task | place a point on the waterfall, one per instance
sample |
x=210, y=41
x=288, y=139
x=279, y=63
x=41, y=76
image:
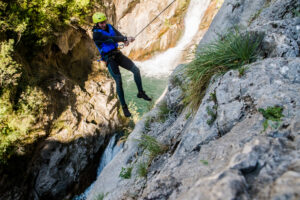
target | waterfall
x=163, y=64
x=110, y=151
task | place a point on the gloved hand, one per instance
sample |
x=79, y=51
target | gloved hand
x=130, y=39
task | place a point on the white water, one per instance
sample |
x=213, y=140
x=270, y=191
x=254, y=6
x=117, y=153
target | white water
x=111, y=150
x=163, y=64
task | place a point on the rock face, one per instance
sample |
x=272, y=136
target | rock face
x=163, y=32
x=232, y=157
x=79, y=134
x=82, y=114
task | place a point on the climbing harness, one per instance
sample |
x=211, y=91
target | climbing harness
x=154, y=18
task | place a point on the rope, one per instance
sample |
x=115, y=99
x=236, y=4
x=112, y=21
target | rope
x=154, y=18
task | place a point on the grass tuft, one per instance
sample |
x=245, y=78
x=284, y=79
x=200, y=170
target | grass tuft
x=164, y=111
x=204, y=162
x=150, y=144
x=142, y=169
x=242, y=71
x=125, y=173
x=100, y=196
x=231, y=51
x=271, y=114
x=212, y=112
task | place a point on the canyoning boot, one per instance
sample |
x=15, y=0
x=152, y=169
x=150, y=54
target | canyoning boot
x=143, y=95
x=126, y=111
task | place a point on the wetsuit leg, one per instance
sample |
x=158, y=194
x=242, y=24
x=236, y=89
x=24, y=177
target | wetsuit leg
x=129, y=65
x=114, y=71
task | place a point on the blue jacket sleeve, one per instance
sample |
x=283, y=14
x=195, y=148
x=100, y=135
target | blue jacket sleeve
x=100, y=38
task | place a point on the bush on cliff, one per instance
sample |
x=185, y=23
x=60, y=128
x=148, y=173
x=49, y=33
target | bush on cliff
x=36, y=21
x=20, y=104
x=230, y=51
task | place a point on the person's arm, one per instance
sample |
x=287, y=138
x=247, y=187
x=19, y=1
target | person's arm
x=117, y=32
x=129, y=39
x=100, y=38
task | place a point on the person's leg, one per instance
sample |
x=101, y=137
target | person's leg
x=114, y=71
x=129, y=65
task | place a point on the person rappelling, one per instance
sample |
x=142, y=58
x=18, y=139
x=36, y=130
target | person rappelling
x=106, y=38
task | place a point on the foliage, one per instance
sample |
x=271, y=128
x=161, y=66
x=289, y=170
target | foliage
x=296, y=11
x=16, y=124
x=204, y=162
x=38, y=20
x=212, y=113
x=188, y=115
x=213, y=97
x=100, y=196
x=176, y=81
x=242, y=71
x=150, y=144
x=10, y=70
x=148, y=122
x=125, y=173
x=134, y=111
x=164, y=111
x=142, y=169
x=255, y=16
x=125, y=136
x=271, y=114
x=19, y=103
x=230, y=51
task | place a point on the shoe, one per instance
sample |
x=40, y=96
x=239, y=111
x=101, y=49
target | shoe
x=144, y=96
x=126, y=111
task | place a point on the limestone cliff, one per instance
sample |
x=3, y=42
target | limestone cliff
x=234, y=157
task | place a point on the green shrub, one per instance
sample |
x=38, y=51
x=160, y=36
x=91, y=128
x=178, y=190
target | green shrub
x=188, y=115
x=142, y=169
x=10, y=70
x=36, y=21
x=148, y=122
x=17, y=119
x=100, y=196
x=242, y=71
x=150, y=144
x=212, y=112
x=204, y=162
x=271, y=114
x=176, y=81
x=164, y=111
x=231, y=51
x=125, y=173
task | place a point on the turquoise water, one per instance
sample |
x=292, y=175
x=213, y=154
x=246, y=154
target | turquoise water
x=153, y=87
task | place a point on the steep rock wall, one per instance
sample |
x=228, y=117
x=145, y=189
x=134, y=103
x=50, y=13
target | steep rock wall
x=81, y=113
